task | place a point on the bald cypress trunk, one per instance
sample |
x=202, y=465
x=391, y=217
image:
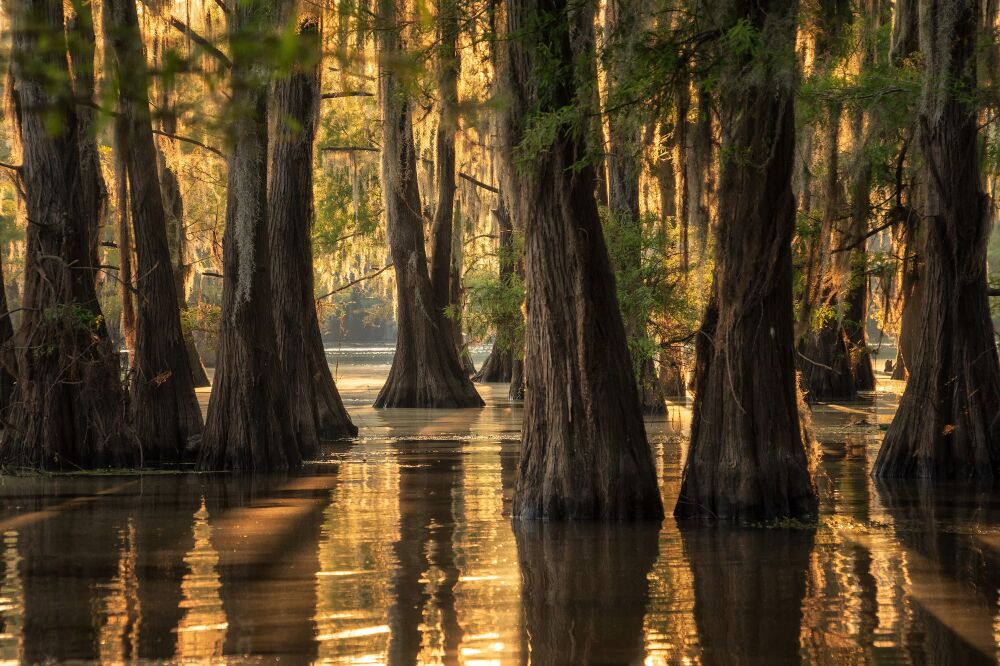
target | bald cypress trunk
x=68, y=409
x=747, y=460
x=164, y=408
x=8, y=361
x=314, y=403
x=248, y=426
x=126, y=276
x=499, y=365
x=426, y=370
x=82, y=45
x=946, y=425
x=584, y=453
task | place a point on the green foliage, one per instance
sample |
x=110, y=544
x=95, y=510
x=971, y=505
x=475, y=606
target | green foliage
x=493, y=305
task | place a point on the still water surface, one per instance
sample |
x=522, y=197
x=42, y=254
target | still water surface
x=398, y=548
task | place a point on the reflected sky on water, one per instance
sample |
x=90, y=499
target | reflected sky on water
x=399, y=549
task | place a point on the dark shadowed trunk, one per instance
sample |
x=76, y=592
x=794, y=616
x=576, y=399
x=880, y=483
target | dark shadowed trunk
x=68, y=408
x=426, y=370
x=854, y=300
x=908, y=244
x=624, y=168
x=584, y=452
x=747, y=460
x=164, y=408
x=82, y=45
x=316, y=408
x=946, y=425
x=8, y=360
x=248, y=426
x=499, y=365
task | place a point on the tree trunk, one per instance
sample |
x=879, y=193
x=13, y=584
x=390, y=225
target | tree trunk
x=747, y=459
x=624, y=168
x=946, y=425
x=854, y=303
x=248, y=428
x=314, y=404
x=499, y=365
x=584, y=453
x=164, y=408
x=173, y=204
x=8, y=360
x=426, y=370
x=126, y=281
x=69, y=410
x=82, y=43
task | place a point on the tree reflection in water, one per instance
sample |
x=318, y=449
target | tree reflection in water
x=584, y=589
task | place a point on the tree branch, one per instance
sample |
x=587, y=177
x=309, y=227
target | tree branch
x=347, y=93
x=479, y=183
x=209, y=47
x=193, y=142
x=354, y=282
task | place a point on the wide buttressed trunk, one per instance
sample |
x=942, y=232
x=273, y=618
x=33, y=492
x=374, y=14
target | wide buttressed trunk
x=248, y=427
x=946, y=425
x=164, y=407
x=426, y=370
x=68, y=410
x=584, y=453
x=316, y=408
x=747, y=460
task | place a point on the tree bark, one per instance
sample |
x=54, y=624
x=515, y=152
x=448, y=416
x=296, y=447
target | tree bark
x=248, y=428
x=126, y=276
x=68, y=408
x=8, y=362
x=584, y=453
x=946, y=425
x=164, y=408
x=747, y=459
x=82, y=45
x=316, y=409
x=426, y=370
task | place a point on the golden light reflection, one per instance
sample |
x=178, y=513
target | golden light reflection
x=202, y=630
x=121, y=614
x=11, y=603
x=353, y=587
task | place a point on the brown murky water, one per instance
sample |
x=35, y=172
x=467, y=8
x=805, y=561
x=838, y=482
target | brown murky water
x=399, y=549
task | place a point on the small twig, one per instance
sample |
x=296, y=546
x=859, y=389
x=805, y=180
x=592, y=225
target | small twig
x=194, y=142
x=347, y=93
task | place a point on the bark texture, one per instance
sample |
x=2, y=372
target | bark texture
x=747, y=459
x=316, y=409
x=584, y=452
x=163, y=404
x=426, y=370
x=248, y=428
x=946, y=425
x=499, y=365
x=68, y=409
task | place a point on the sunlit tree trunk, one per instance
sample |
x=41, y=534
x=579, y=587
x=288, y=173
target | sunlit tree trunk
x=747, y=460
x=426, y=370
x=584, y=453
x=68, y=409
x=316, y=408
x=164, y=407
x=126, y=276
x=248, y=426
x=946, y=425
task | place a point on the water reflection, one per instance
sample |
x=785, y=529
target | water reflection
x=749, y=584
x=400, y=549
x=585, y=588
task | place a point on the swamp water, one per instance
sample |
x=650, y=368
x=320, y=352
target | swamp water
x=398, y=548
